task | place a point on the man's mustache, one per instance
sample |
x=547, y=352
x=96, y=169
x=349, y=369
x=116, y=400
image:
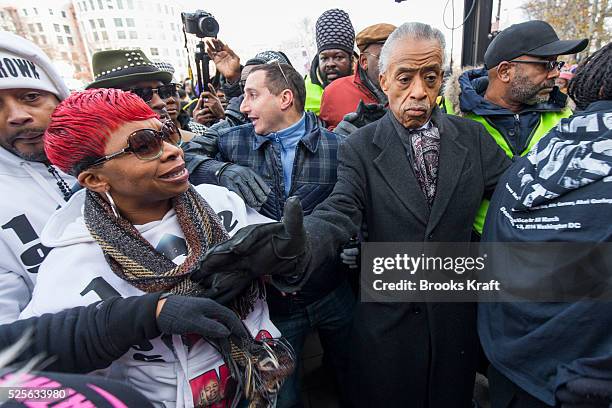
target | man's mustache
x=24, y=132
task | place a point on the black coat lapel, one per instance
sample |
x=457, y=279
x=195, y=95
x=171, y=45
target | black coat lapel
x=393, y=164
x=451, y=161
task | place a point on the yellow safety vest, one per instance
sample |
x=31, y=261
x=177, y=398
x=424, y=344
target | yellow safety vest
x=548, y=120
x=314, y=94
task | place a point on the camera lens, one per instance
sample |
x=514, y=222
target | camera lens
x=209, y=26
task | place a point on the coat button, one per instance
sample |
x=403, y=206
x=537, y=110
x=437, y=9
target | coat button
x=430, y=237
x=416, y=310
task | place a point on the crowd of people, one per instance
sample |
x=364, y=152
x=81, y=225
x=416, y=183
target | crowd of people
x=187, y=241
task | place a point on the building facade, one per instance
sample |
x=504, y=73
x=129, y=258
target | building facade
x=70, y=32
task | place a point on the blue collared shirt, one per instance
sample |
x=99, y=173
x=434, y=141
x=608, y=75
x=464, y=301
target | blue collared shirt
x=287, y=139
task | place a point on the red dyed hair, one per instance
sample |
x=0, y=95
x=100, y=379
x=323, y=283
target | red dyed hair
x=81, y=125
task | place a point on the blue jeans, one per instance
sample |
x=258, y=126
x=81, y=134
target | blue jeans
x=332, y=316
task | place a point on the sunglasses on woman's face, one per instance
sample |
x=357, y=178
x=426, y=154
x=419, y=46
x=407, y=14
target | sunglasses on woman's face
x=164, y=92
x=147, y=144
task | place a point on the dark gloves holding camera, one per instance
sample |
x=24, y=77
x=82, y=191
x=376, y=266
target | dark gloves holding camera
x=186, y=315
x=365, y=114
x=277, y=249
x=242, y=181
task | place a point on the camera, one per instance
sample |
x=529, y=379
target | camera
x=200, y=23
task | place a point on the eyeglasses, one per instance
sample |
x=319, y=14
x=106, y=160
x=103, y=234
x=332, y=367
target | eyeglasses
x=164, y=92
x=369, y=53
x=281, y=70
x=549, y=65
x=147, y=144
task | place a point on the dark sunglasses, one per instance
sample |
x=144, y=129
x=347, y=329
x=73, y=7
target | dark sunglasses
x=147, y=144
x=549, y=65
x=164, y=92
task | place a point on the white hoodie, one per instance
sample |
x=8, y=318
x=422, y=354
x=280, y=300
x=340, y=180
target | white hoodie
x=165, y=370
x=29, y=195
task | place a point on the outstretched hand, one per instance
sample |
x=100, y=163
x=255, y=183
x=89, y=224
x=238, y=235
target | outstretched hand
x=279, y=249
x=225, y=59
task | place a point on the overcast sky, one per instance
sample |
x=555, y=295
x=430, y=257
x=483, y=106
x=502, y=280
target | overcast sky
x=252, y=26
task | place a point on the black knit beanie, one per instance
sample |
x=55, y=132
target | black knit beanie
x=335, y=31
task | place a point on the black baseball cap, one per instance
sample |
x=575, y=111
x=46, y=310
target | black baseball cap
x=535, y=38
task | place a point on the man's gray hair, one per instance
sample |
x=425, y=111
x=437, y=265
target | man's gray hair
x=415, y=31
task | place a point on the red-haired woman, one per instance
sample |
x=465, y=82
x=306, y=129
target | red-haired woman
x=138, y=227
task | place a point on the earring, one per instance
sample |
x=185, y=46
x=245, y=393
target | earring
x=112, y=204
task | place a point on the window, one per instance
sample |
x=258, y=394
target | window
x=118, y=22
x=67, y=29
x=95, y=35
x=178, y=52
x=121, y=35
x=64, y=14
x=56, y=27
x=130, y=22
x=91, y=6
x=84, y=6
x=35, y=10
x=70, y=40
x=25, y=12
x=133, y=35
x=60, y=39
x=78, y=67
x=31, y=27
x=35, y=39
x=104, y=35
x=120, y=4
x=43, y=39
x=92, y=24
x=166, y=9
x=130, y=4
x=100, y=6
x=154, y=51
x=50, y=12
x=101, y=23
x=39, y=26
x=65, y=55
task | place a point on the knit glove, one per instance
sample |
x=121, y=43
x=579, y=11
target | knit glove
x=585, y=393
x=197, y=315
x=242, y=181
x=278, y=249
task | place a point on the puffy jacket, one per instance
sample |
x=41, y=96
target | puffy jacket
x=516, y=130
x=342, y=96
x=515, y=133
x=314, y=177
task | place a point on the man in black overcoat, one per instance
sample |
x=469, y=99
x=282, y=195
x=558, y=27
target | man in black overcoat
x=416, y=175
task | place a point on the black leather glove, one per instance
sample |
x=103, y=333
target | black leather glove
x=186, y=314
x=585, y=393
x=242, y=181
x=363, y=115
x=279, y=249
